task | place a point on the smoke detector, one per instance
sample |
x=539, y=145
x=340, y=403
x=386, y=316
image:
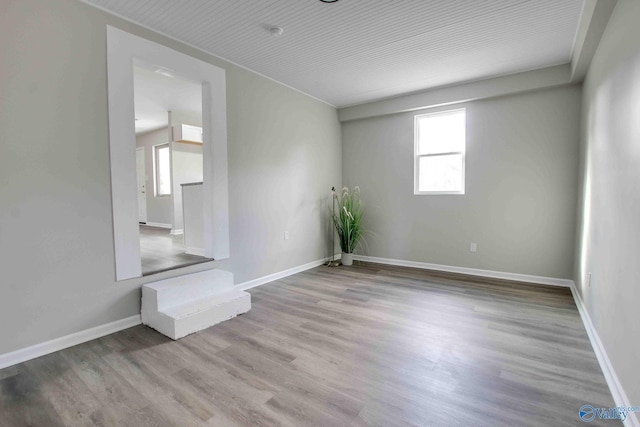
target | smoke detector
x=276, y=31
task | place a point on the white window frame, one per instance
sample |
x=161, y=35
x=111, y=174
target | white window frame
x=156, y=170
x=417, y=156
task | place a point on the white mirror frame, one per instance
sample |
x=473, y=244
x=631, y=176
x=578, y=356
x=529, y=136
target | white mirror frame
x=122, y=48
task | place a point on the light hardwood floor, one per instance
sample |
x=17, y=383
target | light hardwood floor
x=348, y=346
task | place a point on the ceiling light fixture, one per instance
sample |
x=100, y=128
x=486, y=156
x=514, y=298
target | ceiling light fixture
x=276, y=31
x=328, y=1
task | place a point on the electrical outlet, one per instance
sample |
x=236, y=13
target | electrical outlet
x=589, y=279
x=286, y=235
x=473, y=247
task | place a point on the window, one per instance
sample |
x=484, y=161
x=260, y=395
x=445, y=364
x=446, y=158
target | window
x=162, y=170
x=439, y=153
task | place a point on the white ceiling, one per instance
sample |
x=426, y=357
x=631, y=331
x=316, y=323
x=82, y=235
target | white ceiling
x=155, y=94
x=355, y=51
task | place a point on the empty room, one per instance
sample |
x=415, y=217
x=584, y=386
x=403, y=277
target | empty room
x=319, y=213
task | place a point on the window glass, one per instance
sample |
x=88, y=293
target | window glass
x=163, y=170
x=440, y=140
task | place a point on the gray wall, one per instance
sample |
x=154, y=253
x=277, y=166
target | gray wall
x=158, y=208
x=608, y=242
x=521, y=184
x=56, y=237
x=284, y=157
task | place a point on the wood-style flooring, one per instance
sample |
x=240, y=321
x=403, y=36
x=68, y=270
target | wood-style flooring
x=161, y=251
x=367, y=345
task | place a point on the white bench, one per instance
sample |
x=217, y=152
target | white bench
x=182, y=305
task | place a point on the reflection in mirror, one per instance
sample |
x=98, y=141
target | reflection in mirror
x=123, y=49
x=169, y=168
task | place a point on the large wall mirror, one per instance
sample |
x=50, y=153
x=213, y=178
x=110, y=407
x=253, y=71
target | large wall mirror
x=164, y=167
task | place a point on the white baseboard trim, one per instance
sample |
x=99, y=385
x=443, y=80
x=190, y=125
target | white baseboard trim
x=279, y=275
x=195, y=251
x=177, y=231
x=617, y=392
x=566, y=283
x=158, y=224
x=28, y=353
